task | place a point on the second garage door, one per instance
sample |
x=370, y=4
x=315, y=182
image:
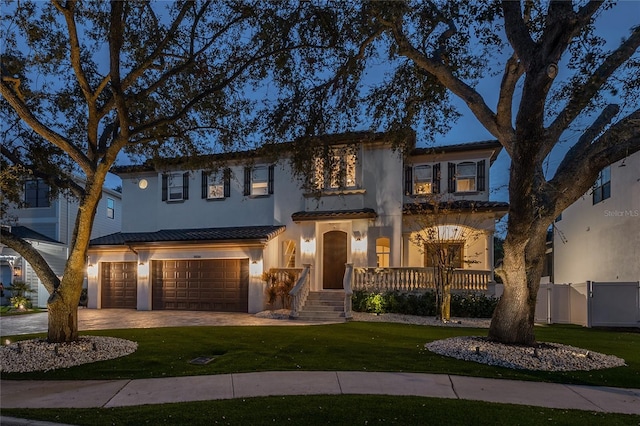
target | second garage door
x=201, y=285
x=119, y=284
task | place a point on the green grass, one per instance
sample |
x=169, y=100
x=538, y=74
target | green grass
x=353, y=346
x=322, y=410
x=6, y=311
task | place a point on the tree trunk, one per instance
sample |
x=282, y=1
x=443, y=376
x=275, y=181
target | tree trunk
x=513, y=318
x=63, y=302
x=63, y=320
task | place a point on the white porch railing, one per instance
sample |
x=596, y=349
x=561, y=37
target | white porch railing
x=281, y=273
x=408, y=279
x=300, y=291
x=348, y=290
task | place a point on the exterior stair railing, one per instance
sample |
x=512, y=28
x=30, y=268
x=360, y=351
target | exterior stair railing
x=348, y=290
x=300, y=292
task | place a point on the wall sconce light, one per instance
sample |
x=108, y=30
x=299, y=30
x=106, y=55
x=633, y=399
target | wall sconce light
x=143, y=269
x=17, y=271
x=357, y=236
x=308, y=246
x=256, y=268
x=92, y=270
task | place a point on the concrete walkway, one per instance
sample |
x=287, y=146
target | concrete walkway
x=120, y=393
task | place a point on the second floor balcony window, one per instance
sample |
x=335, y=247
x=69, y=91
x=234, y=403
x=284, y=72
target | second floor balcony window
x=339, y=173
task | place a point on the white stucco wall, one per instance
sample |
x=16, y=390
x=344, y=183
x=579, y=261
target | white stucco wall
x=601, y=242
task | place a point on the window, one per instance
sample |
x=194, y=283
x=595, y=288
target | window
x=451, y=251
x=111, y=206
x=422, y=179
x=216, y=185
x=383, y=251
x=467, y=176
x=175, y=187
x=341, y=173
x=289, y=254
x=36, y=193
x=258, y=181
x=602, y=187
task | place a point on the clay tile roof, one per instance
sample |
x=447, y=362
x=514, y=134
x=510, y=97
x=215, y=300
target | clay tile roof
x=460, y=205
x=184, y=235
x=365, y=213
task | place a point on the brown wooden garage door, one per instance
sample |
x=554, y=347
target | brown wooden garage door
x=119, y=284
x=201, y=285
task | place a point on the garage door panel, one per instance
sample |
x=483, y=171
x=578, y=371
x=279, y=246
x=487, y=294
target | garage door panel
x=210, y=285
x=119, y=285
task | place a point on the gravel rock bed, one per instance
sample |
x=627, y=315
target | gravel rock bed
x=544, y=357
x=39, y=355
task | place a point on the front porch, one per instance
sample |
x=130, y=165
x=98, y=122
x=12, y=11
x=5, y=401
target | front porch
x=402, y=279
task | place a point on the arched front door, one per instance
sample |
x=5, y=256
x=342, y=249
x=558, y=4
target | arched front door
x=334, y=257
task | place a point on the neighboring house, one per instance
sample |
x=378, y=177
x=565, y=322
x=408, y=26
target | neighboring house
x=597, y=238
x=596, y=252
x=201, y=239
x=48, y=225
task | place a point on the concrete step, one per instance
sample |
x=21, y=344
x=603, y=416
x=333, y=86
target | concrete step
x=323, y=306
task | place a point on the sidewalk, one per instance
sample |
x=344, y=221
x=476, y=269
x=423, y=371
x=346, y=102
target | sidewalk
x=121, y=393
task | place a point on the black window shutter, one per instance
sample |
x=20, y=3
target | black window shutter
x=205, y=183
x=185, y=186
x=435, y=178
x=452, y=177
x=247, y=180
x=227, y=183
x=481, y=176
x=270, y=183
x=408, y=180
x=165, y=187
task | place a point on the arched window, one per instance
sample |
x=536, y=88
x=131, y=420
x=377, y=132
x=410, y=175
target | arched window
x=383, y=251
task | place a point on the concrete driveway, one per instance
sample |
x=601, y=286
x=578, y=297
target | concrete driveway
x=101, y=319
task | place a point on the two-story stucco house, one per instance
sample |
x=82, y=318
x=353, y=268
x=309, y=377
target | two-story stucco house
x=597, y=238
x=48, y=225
x=201, y=239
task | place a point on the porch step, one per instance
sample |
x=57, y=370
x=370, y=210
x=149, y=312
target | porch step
x=323, y=306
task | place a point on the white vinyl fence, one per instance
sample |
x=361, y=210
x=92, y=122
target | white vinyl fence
x=590, y=304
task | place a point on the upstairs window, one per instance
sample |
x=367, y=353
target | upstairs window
x=467, y=176
x=111, y=208
x=36, y=193
x=216, y=185
x=422, y=179
x=602, y=187
x=258, y=180
x=175, y=187
x=341, y=173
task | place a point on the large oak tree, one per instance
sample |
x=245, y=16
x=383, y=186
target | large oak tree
x=555, y=78
x=84, y=81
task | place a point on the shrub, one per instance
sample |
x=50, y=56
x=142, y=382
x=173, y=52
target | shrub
x=19, y=291
x=469, y=305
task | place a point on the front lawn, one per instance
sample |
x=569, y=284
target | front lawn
x=354, y=346
x=322, y=410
